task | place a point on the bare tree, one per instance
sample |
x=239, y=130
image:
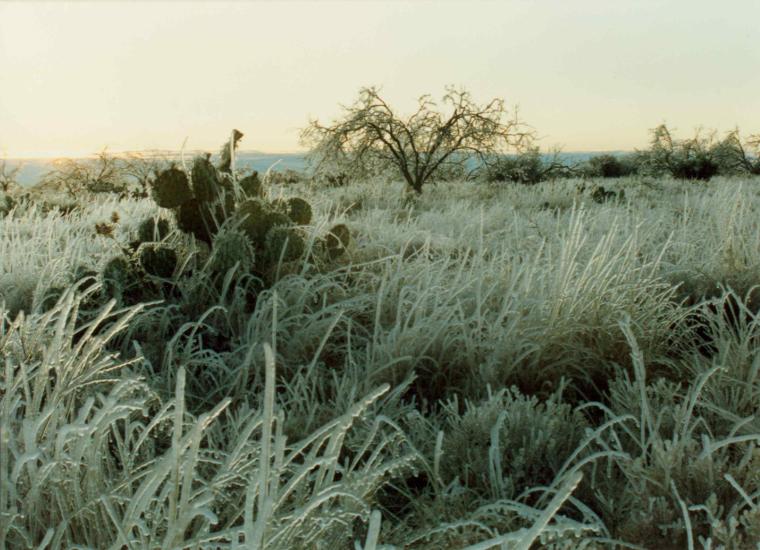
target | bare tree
x=104, y=173
x=371, y=134
x=143, y=167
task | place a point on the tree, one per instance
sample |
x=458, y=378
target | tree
x=371, y=135
x=103, y=174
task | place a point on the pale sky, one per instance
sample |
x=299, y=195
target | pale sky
x=588, y=75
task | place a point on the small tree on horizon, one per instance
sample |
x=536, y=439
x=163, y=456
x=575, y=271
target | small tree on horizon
x=370, y=135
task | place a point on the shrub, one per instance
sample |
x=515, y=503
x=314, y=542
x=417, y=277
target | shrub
x=528, y=168
x=737, y=158
x=610, y=166
x=530, y=440
x=371, y=137
x=105, y=173
x=690, y=159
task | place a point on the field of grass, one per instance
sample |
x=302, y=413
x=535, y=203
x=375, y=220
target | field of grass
x=488, y=366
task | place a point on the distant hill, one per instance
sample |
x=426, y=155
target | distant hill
x=32, y=170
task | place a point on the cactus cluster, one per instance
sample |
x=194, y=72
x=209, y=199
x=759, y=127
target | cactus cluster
x=600, y=195
x=212, y=195
x=199, y=203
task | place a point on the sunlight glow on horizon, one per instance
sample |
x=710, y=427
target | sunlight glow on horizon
x=588, y=75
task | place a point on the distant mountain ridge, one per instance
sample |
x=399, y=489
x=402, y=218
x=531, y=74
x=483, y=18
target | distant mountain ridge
x=32, y=169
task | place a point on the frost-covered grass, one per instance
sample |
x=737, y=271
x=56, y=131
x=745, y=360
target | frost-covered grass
x=485, y=366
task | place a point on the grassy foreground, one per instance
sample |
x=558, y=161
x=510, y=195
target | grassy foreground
x=490, y=366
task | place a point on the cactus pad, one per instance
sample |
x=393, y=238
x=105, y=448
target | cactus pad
x=193, y=217
x=171, y=188
x=159, y=261
x=337, y=240
x=284, y=243
x=151, y=230
x=229, y=248
x=299, y=211
x=252, y=186
x=205, y=180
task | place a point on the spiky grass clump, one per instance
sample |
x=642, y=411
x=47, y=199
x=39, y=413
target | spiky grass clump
x=509, y=443
x=141, y=464
x=171, y=188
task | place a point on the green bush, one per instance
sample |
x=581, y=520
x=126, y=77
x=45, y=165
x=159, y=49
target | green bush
x=527, y=168
x=689, y=159
x=610, y=166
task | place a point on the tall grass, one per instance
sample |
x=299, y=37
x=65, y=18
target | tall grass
x=486, y=367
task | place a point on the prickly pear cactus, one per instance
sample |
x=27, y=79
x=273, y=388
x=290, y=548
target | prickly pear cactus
x=194, y=217
x=251, y=186
x=299, y=211
x=159, y=261
x=257, y=218
x=120, y=278
x=337, y=240
x=171, y=188
x=280, y=205
x=284, y=243
x=205, y=180
x=231, y=247
x=152, y=230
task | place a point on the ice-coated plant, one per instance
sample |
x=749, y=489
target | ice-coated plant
x=171, y=188
x=299, y=210
x=158, y=260
x=152, y=230
x=284, y=243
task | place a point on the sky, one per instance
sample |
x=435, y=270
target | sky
x=587, y=75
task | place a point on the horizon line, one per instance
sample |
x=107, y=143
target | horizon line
x=192, y=152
